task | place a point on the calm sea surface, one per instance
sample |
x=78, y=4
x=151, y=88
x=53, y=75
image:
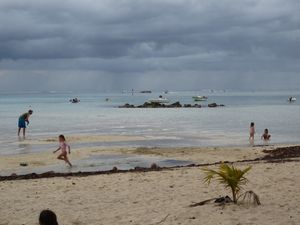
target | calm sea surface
x=53, y=115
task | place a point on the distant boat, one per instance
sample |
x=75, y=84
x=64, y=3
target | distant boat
x=166, y=91
x=200, y=98
x=292, y=99
x=146, y=92
x=74, y=100
x=160, y=100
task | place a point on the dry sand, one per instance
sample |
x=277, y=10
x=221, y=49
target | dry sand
x=153, y=198
x=156, y=197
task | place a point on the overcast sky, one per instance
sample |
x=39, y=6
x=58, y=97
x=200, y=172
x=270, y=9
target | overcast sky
x=111, y=45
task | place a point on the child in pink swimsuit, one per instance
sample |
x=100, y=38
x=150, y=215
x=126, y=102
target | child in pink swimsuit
x=63, y=146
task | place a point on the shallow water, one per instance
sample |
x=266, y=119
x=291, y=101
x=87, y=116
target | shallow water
x=102, y=163
x=53, y=115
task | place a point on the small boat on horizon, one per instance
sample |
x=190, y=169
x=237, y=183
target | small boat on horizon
x=200, y=98
x=292, y=99
x=74, y=100
x=160, y=100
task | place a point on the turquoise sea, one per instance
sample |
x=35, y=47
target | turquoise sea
x=175, y=127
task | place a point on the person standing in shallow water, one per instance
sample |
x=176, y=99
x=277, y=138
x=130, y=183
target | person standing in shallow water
x=266, y=136
x=252, y=133
x=23, y=119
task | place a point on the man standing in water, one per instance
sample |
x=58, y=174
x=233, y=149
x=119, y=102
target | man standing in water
x=23, y=119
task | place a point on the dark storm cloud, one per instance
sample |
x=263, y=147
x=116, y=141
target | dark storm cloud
x=226, y=44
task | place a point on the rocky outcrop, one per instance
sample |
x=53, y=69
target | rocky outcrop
x=151, y=105
x=173, y=105
x=214, y=105
x=127, y=106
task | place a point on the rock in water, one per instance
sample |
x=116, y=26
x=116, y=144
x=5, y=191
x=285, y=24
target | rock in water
x=212, y=105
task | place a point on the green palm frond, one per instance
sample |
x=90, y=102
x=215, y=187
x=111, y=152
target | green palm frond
x=228, y=175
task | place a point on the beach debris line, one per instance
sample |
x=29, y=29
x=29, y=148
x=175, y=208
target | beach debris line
x=282, y=153
x=50, y=174
x=232, y=178
x=154, y=166
x=173, y=105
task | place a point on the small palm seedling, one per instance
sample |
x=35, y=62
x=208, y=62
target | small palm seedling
x=232, y=177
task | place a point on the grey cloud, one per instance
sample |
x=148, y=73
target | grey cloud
x=119, y=42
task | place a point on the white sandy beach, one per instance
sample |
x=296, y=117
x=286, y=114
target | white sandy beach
x=153, y=198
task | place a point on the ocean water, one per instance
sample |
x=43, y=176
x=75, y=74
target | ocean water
x=172, y=127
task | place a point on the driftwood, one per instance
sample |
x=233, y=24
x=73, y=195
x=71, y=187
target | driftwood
x=219, y=201
x=249, y=197
x=202, y=203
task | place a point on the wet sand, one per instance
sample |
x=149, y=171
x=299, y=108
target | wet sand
x=85, y=139
x=194, y=155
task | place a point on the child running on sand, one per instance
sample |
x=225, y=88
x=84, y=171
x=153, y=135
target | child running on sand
x=252, y=133
x=266, y=136
x=63, y=147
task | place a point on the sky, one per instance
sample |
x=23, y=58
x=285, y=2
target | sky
x=114, y=45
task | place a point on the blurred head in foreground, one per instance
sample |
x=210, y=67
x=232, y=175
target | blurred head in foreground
x=47, y=217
